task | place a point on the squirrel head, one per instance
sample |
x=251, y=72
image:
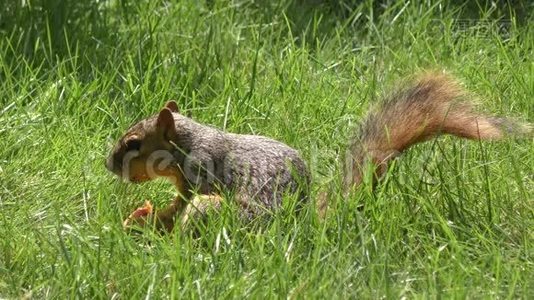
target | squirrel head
x=144, y=152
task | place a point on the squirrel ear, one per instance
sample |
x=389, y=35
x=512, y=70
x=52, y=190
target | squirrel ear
x=172, y=106
x=166, y=122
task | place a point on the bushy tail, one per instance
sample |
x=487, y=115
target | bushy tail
x=434, y=104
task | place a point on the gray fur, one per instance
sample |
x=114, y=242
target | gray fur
x=259, y=170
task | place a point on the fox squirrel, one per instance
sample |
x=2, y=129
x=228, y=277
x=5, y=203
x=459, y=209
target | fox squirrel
x=260, y=170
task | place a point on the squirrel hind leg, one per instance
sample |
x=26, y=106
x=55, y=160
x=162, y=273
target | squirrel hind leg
x=199, y=207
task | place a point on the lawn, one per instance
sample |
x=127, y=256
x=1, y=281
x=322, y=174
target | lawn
x=453, y=218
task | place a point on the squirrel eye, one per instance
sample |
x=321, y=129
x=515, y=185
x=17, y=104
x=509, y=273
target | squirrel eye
x=133, y=145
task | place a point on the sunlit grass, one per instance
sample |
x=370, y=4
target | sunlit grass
x=453, y=218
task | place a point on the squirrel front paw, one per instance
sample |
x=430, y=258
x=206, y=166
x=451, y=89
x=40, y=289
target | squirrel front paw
x=139, y=217
x=147, y=216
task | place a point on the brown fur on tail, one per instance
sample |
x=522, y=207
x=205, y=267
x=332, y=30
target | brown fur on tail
x=432, y=105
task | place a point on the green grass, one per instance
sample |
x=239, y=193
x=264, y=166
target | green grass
x=453, y=219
